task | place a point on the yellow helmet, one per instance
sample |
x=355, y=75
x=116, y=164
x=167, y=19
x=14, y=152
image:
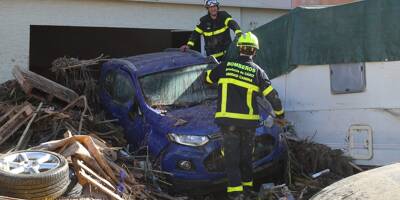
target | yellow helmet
x=248, y=40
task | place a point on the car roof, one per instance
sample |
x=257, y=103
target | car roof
x=146, y=64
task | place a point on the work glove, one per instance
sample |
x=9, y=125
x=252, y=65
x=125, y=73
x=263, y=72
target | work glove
x=237, y=37
x=280, y=120
x=184, y=48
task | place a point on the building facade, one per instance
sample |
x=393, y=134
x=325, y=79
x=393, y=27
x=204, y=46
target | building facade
x=35, y=32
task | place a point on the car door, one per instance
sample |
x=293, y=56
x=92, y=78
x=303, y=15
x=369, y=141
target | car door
x=119, y=98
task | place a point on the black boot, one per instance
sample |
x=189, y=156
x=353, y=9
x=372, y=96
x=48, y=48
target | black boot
x=249, y=194
x=236, y=196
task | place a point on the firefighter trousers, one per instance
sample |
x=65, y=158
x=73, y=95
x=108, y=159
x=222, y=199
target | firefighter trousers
x=238, y=147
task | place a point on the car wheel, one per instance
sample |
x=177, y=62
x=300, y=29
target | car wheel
x=33, y=175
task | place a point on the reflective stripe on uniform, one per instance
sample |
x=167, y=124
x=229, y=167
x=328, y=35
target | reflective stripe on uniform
x=248, y=184
x=217, y=55
x=190, y=43
x=280, y=112
x=223, y=97
x=227, y=20
x=268, y=90
x=208, y=77
x=236, y=116
x=235, y=189
x=219, y=31
x=250, y=89
x=197, y=29
x=238, y=83
x=238, y=31
x=249, y=100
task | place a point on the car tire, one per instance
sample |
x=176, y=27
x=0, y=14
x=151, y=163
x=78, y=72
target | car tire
x=49, y=183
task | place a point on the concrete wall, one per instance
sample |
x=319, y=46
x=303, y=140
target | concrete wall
x=16, y=16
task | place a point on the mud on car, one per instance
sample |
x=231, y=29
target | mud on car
x=162, y=102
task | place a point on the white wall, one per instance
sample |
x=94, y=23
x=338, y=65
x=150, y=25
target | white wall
x=16, y=16
x=276, y=4
x=326, y=117
x=251, y=18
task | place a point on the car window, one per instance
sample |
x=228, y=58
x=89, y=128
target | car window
x=119, y=86
x=180, y=87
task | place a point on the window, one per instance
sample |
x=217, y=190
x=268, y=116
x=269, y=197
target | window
x=179, y=87
x=119, y=86
x=347, y=78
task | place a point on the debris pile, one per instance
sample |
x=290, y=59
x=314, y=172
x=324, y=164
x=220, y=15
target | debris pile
x=312, y=166
x=79, y=75
x=40, y=115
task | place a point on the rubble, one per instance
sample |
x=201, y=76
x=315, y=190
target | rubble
x=312, y=166
x=79, y=75
x=13, y=119
x=39, y=114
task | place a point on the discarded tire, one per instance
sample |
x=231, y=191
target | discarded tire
x=33, y=175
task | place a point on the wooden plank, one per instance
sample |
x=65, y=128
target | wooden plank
x=86, y=173
x=6, y=115
x=26, y=135
x=21, y=80
x=91, y=172
x=9, y=198
x=41, y=87
x=15, y=122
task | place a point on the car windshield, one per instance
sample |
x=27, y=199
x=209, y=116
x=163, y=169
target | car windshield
x=180, y=87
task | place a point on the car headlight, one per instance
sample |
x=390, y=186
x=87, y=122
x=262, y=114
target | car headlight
x=189, y=140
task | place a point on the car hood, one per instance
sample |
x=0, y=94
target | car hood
x=195, y=120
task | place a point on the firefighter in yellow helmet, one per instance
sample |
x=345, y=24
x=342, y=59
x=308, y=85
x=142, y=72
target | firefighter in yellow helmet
x=240, y=81
x=215, y=27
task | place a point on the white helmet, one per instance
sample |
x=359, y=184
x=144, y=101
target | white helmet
x=209, y=3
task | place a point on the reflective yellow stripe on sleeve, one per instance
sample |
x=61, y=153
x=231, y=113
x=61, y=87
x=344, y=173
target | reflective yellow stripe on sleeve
x=238, y=31
x=268, y=90
x=190, y=43
x=208, y=77
x=219, y=31
x=223, y=97
x=217, y=55
x=280, y=112
x=247, y=184
x=235, y=189
x=227, y=20
x=197, y=29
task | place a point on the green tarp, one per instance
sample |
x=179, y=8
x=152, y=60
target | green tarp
x=364, y=31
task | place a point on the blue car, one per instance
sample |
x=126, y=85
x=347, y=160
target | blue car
x=162, y=102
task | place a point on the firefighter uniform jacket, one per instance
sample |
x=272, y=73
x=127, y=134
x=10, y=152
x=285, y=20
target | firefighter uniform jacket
x=216, y=33
x=239, y=83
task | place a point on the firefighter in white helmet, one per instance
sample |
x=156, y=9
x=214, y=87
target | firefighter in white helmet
x=215, y=27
